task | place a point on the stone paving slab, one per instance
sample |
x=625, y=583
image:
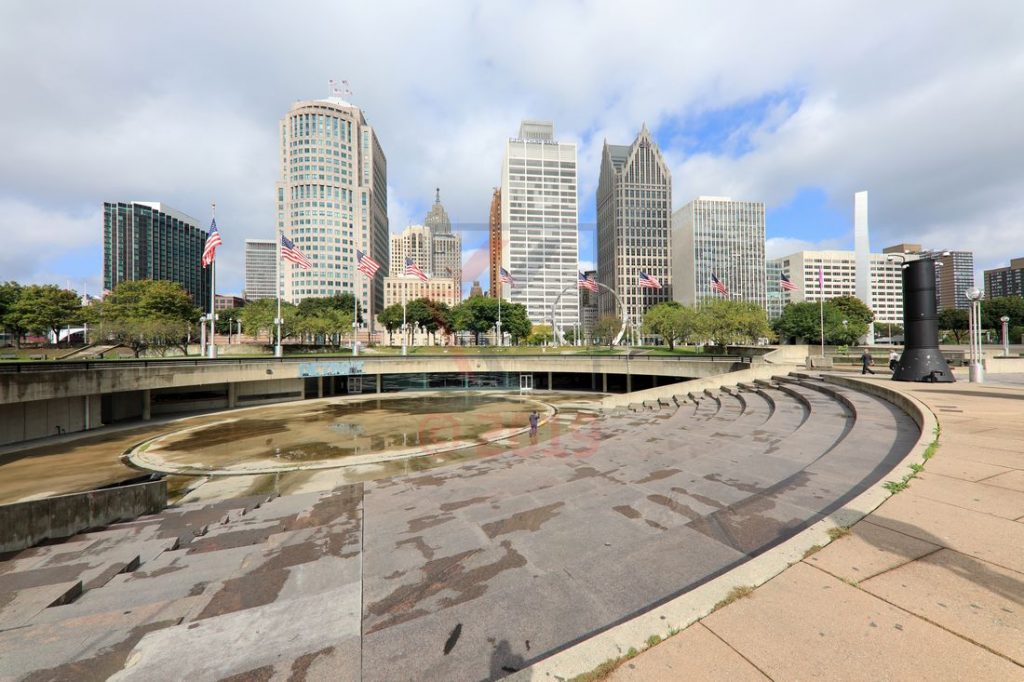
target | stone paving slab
x=19, y=608
x=258, y=642
x=977, y=600
x=989, y=538
x=869, y=550
x=806, y=624
x=87, y=648
x=986, y=498
x=698, y=656
x=1012, y=480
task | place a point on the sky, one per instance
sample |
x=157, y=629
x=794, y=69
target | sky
x=797, y=104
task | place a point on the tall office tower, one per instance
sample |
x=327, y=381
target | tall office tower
x=721, y=237
x=953, y=278
x=1007, y=281
x=494, y=242
x=332, y=201
x=839, y=270
x=446, y=258
x=149, y=240
x=260, y=269
x=414, y=242
x=773, y=290
x=539, y=228
x=634, y=223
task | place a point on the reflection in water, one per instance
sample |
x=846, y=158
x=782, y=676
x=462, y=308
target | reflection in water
x=332, y=430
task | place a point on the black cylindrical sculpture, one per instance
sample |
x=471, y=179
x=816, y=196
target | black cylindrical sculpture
x=921, y=359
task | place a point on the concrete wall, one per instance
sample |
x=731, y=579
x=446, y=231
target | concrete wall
x=764, y=372
x=25, y=524
x=249, y=393
x=41, y=418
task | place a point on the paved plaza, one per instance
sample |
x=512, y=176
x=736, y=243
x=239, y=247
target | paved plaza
x=466, y=572
x=929, y=586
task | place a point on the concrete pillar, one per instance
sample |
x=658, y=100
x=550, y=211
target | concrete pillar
x=551, y=384
x=232, y=395
x=604, y=382
x=380, y=383
x=319, y=387
x=147, y=411
x=593, y=381
x=629, y=383
x=87, y=415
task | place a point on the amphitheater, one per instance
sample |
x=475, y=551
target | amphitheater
x=464, y=569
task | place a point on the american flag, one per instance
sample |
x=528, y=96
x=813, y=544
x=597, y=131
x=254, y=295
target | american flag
x=786, y=283
x=584, y=282
x=212, y=242
x=716, y=285
x=505, y=277
x=291, y=253
x=648, y=281
x=367, y=265
x=412, y=269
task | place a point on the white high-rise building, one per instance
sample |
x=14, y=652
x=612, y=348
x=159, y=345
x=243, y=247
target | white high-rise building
x=839, y=275
x=260, y=269
x=721, y=237
x=332, y=201
x=414, y=242
x=539, y=224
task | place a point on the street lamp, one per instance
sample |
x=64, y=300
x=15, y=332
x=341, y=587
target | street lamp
x=355, y=338
x=202, y=335
x=1006, y=336
x=976, y=372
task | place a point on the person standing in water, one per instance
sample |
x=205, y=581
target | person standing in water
x=534, y=421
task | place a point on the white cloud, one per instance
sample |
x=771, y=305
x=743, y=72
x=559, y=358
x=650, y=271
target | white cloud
x=916, y=102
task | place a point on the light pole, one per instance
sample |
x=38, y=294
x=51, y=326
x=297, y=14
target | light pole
x=278, y=349
x=355, y=338
x=1006, y=335
x=202, y=335
x=976, y=371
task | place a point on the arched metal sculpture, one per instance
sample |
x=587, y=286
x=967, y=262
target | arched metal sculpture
x=557, y=333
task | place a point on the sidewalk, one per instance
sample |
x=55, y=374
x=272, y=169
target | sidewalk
x=929, y=586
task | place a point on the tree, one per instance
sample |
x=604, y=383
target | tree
x=954, y=321
x=540, y=335
x=45, y=308
x=515, y=321
x=853, y=310
x=258, y=317
x=391, y=318
x=227, y=320
x=145, y=313
x=477, y=314
x=606, y=329
x=9, y=293
x=994, y=308
x=726, y=322
x=798, y=321
x=672, y=322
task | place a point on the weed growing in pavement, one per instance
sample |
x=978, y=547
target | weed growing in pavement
x=838, y=532
x=738, y=592
x=653, y=640
x=896, y=486
x=813, y=549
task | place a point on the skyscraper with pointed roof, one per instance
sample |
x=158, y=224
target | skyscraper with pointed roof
x=446, y=257
x=634, y=224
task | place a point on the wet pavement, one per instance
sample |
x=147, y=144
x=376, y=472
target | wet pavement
x=473, y=569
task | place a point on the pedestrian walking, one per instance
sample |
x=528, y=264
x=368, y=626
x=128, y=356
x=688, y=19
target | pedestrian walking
x=534, y=421
x=894, y=358
x=865, y=362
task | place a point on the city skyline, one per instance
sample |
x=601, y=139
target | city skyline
x=800, y=129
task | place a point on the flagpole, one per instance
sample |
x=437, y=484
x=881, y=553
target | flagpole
x=404, y=331
x=278, y=348
x=355, y=314
x=212, y=350
x=501, y=339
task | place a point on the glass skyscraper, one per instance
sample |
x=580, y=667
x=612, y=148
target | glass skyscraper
x=149, y=240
